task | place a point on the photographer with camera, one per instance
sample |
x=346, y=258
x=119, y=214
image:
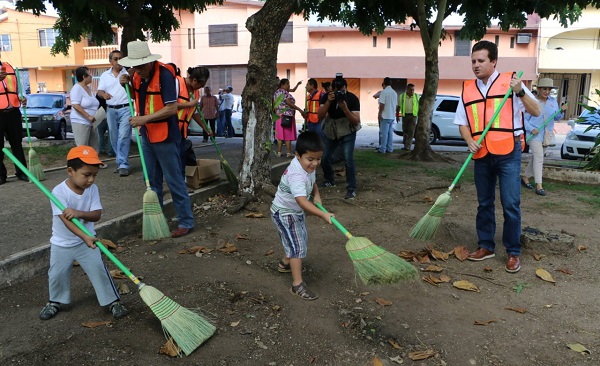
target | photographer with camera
x=340, y=111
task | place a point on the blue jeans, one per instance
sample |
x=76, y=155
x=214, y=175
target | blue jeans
x=119, y=131
x=386, y=136
x=314, y=127
x=506, y=169
x=347, y=143
x=163, y=158
x=221, y=131
x=229, y=132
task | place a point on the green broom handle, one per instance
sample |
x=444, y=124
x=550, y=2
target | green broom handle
x=485, y=130
x=24, y=109
x=212, y=138
x=546, y=122
x=74, y=220
x=335, y=222
x=137, y=138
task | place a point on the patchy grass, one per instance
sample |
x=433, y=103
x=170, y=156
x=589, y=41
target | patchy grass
x=380, y=162
x=50, y=157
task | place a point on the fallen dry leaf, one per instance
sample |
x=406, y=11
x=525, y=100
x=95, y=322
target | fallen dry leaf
x=197, y=248
x=431, y=279
x=445, y=278
x=544, y=275
x=485, y=323
x=578, y=347
x=436, y=254
x=433, y=268
x=376, y=361
x=465, y=285
x=421, y=355
x=92, y=324
x=269, y=252
x=241, y=236
x=565, y=271
x=228, y=248
x=461, y=253
x=424, y=259
x=517, y=310
x=108, y=243
x=394, y=344
x=536, y=256
x=235, y=324
x=276, y=308
x=170, y=349
x=123, y=288
x=254, y=215
x=427, y=199
x=581, y=248
x=487, y=269
x=407, y=255
x=118, y=274
x=382, y=301
x=120, y=249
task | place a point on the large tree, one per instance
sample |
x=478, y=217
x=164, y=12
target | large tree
x=427, y=16
x=79, y=19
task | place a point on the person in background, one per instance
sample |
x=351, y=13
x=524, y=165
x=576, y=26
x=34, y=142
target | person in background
x=287, y=109
x=161, y=136
x=11, y=126
x=227, y=101
x=408, y=109
x=104, y=145
x=209, y=105
x=498, y=158
x=313, y=102
x=118, y=112
x=296, y=87
x=84, y=105
x=388, y=100
x=533, y=126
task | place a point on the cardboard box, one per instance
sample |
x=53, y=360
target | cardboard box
x=206, y=171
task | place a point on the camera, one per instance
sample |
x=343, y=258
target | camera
x=338, y=84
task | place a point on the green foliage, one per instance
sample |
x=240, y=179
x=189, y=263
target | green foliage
x=520, y=286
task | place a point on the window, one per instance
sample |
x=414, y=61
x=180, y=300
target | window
x=389, y=42
x=191, y=38
x=5, y=44
x=497, y=40
x=222, y=35
x=48, y=37
x=374, y=41
x=95, y=44
x=512, y=42
x=462, y=47
x=287, y=36
x=448, y=105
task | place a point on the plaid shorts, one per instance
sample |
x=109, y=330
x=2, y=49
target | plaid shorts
x=292, y=231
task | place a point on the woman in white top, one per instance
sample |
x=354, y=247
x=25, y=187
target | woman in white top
x=84, y=106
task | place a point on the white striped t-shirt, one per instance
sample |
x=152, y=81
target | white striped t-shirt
x=295, y=182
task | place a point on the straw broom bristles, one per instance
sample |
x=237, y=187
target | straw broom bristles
x=428, y=225
x=188, y=329
x=154, y=222
x=35, y=167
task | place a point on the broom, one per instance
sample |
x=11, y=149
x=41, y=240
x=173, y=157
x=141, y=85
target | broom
x=154, y=222
x=231, y=177
x=35, y=166
x=428, y=225
x=374, y=265
x=188, y=329
x=546, y=122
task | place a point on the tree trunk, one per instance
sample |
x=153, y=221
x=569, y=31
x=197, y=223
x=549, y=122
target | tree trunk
x=266, y=27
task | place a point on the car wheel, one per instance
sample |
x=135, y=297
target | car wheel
x=434, y=135
x=61, y=132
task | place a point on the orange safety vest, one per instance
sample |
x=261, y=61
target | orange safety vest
x=8, y=89
x=499, y=139
x=313, y=102
x=156, y=131
x=184, y=116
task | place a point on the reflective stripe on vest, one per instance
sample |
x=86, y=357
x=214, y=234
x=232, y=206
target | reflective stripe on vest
x=313, y=102
x=499, y=139
x=156, y=131
x=185, y=115
x=8, y=89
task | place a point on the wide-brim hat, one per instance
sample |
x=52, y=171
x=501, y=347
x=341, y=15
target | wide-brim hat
x=546, y=83
x=138, y=53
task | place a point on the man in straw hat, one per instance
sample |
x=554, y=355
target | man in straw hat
x=156, y=101
x=498, y=157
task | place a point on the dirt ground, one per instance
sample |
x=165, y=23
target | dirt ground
x=260, y=323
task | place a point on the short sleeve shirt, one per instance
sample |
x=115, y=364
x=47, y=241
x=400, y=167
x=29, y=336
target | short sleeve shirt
x=295, y=182
x=335, y=112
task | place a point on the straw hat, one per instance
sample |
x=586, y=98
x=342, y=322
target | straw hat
x=546, y=83
x=138, y=53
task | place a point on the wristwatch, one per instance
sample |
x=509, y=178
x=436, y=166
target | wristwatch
x=521, y=93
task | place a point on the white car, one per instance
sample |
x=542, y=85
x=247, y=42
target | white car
x=442, y=122
x=578, y=142
x=236, y=119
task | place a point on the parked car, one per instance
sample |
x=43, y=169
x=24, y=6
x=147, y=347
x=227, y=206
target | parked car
x=49, y=114
x=236, y=119
x=442, y=126
x=578, y=142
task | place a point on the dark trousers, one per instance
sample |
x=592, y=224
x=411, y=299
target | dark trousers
x=12, y=129
x=211, y=123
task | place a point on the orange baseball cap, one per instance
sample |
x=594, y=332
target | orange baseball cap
x=87, y=154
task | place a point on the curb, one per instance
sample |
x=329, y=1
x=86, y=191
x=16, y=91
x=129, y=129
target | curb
x=32, y=262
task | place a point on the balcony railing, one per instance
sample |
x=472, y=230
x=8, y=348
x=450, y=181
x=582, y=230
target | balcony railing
x=97, y=55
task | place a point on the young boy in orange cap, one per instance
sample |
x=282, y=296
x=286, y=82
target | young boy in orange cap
x=80, y=196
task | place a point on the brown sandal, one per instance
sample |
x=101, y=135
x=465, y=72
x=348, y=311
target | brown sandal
x=285, y=268
x=303, y=292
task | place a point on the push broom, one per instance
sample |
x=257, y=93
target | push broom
x=154, y=222
x=428, y=225
x=188, y=329
x=374, y=265
x=35, y=166
x=231, y=177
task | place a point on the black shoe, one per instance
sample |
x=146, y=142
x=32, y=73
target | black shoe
x=2, y=181
x=23, y=178
x=526, y=185
x=123, y=172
